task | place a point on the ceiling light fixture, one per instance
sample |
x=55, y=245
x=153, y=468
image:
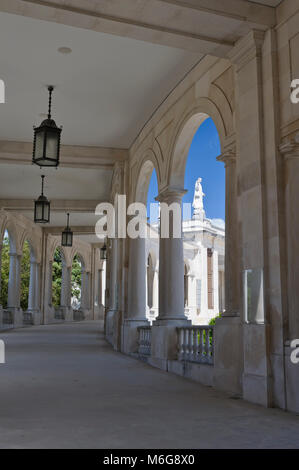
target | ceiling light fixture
x=46, y=144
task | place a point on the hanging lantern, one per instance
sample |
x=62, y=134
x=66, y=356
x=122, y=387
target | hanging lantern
x=103, y=252
x=46, y=144
x=67, y=235
x=42, y=208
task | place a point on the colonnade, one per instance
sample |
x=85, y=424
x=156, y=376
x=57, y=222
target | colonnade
x=40, y=305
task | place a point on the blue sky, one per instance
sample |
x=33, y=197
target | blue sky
x=202, y=162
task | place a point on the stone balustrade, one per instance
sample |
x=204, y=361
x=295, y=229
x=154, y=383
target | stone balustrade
x=145, y=340
x=196, y=344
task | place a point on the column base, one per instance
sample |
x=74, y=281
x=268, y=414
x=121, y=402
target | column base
x=130, y=335
x=165, y=340
x=257, y=382
x=32, y=317
x=17, y=316
x=67, y=313
x=228, y=354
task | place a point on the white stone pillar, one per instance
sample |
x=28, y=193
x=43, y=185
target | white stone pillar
x=32, y=301
x=156, y=291
x=232, y=257
x=64, y=286
x=171, y=283
x=171, y=267
x=113, y=276
x=14, y=281
x=65, y=295
x=137, y=295
x=50, y=283
x=290, y=152
x=85, y=295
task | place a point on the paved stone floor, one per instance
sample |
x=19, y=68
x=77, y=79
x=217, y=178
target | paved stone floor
x=64, y=387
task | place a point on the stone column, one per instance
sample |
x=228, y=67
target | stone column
x=290, y=152
x=113, y=277
x=32, y=286
x=246, y=349
x=64, y=286
x=156, y=291
x=14, y=281
x=112, y=300
x=65, y=295
x=137, y=295
x=33, y=299
x=14, y=287
x=171, y=283
x=85, y=294
x=50, y=282
x=232, y=257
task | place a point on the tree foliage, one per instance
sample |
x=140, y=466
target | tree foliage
x=25, y=273
x=76, y=277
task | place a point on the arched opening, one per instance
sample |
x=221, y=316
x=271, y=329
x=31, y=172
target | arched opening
x=195, y=168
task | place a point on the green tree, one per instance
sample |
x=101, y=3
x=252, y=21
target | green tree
x=76, y=277
x=56, y=277
x=25, y=273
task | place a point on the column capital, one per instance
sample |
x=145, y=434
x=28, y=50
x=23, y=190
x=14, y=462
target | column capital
x=34, y=262
x=171, y=194
x=290, y=149
x=247, y=48
x=228, y=157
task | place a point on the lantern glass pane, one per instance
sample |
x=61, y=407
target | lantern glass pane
x=69, y=239
x=63, y=239
x=52, y=145
x=38, y=211
x=46, y=215
x=39, y=144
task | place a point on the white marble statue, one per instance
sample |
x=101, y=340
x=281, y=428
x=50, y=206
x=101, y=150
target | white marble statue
x=197, y=205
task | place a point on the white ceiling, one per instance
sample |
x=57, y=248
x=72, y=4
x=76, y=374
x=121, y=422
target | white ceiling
x=58, y=219
x=105, y=90
x=24, y=182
